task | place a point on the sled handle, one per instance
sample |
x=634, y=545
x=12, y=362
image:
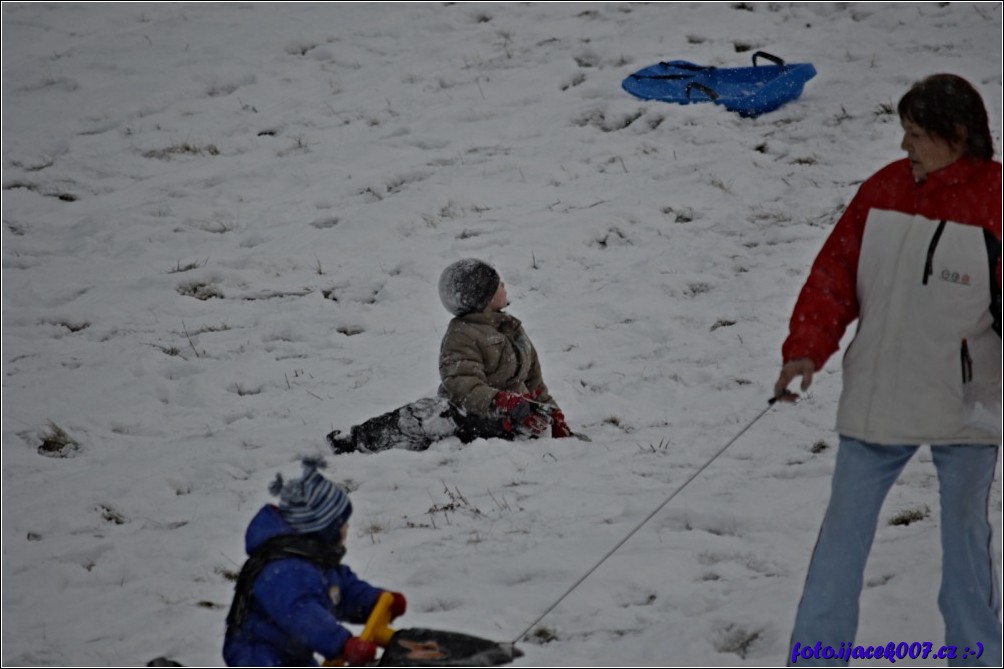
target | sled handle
x=769, y=56
x=702, y=88
x=662, y=76
x=377, y=628
x=687, y=67
x=684, y=65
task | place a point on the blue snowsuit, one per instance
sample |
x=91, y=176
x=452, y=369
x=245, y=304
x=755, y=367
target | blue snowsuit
x=295, y=606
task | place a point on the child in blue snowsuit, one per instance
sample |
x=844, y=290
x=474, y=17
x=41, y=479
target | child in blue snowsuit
x=293, y=590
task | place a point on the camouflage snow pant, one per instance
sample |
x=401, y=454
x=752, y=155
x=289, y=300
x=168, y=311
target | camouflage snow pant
x=415, y=427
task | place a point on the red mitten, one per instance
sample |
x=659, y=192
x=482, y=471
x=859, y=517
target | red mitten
x=399, y=606
x=507, y=402
x=559, y=428
x=518, y=410
x=358, y=652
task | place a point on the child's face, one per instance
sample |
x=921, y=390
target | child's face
x=344, y=532
x=500, y=301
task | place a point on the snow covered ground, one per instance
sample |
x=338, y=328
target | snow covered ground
x=223, y=225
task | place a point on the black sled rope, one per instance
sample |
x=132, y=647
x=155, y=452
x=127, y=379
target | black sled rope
x=645, y=520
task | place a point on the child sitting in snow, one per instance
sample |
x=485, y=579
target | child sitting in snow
x=293, y=590
x=492, y=385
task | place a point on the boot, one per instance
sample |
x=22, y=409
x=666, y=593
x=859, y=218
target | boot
x=341, y=444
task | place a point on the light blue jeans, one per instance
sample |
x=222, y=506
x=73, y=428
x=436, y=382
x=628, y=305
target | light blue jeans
x=970, y=591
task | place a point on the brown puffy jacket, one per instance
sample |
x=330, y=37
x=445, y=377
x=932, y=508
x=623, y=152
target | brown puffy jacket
x=483, y=353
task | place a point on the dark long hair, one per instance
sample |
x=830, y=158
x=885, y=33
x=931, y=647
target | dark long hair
x=941, y=104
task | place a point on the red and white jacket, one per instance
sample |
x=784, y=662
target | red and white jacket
x=919, y=266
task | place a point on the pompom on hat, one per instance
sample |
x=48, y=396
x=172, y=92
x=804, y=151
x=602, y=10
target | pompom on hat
x=468, y=286
x=312, y=503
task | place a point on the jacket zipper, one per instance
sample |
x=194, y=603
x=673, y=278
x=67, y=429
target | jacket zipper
x=967, y=363
x=994, y=256
x=929, y=265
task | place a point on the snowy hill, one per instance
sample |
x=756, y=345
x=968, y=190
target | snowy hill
x=223, y=225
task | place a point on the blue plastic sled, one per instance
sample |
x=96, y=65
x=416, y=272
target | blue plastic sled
x=750, y=91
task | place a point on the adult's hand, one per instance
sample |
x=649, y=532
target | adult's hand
x=799, y=367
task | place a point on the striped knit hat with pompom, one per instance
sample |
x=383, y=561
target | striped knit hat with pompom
x=312, y=503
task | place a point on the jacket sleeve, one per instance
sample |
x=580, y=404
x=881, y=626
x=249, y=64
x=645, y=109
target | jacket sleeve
x=462, y=371
x=535, y=382
x=295, y=597
x=828, y=301
x=358, y=596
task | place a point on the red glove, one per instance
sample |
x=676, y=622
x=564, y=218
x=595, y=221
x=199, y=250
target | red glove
x=559, y=428
x=517, y=409
x=357, y=652
x=399, y=606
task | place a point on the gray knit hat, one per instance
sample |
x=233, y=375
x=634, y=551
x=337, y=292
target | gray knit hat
x=312, y=503
x=468, y=286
